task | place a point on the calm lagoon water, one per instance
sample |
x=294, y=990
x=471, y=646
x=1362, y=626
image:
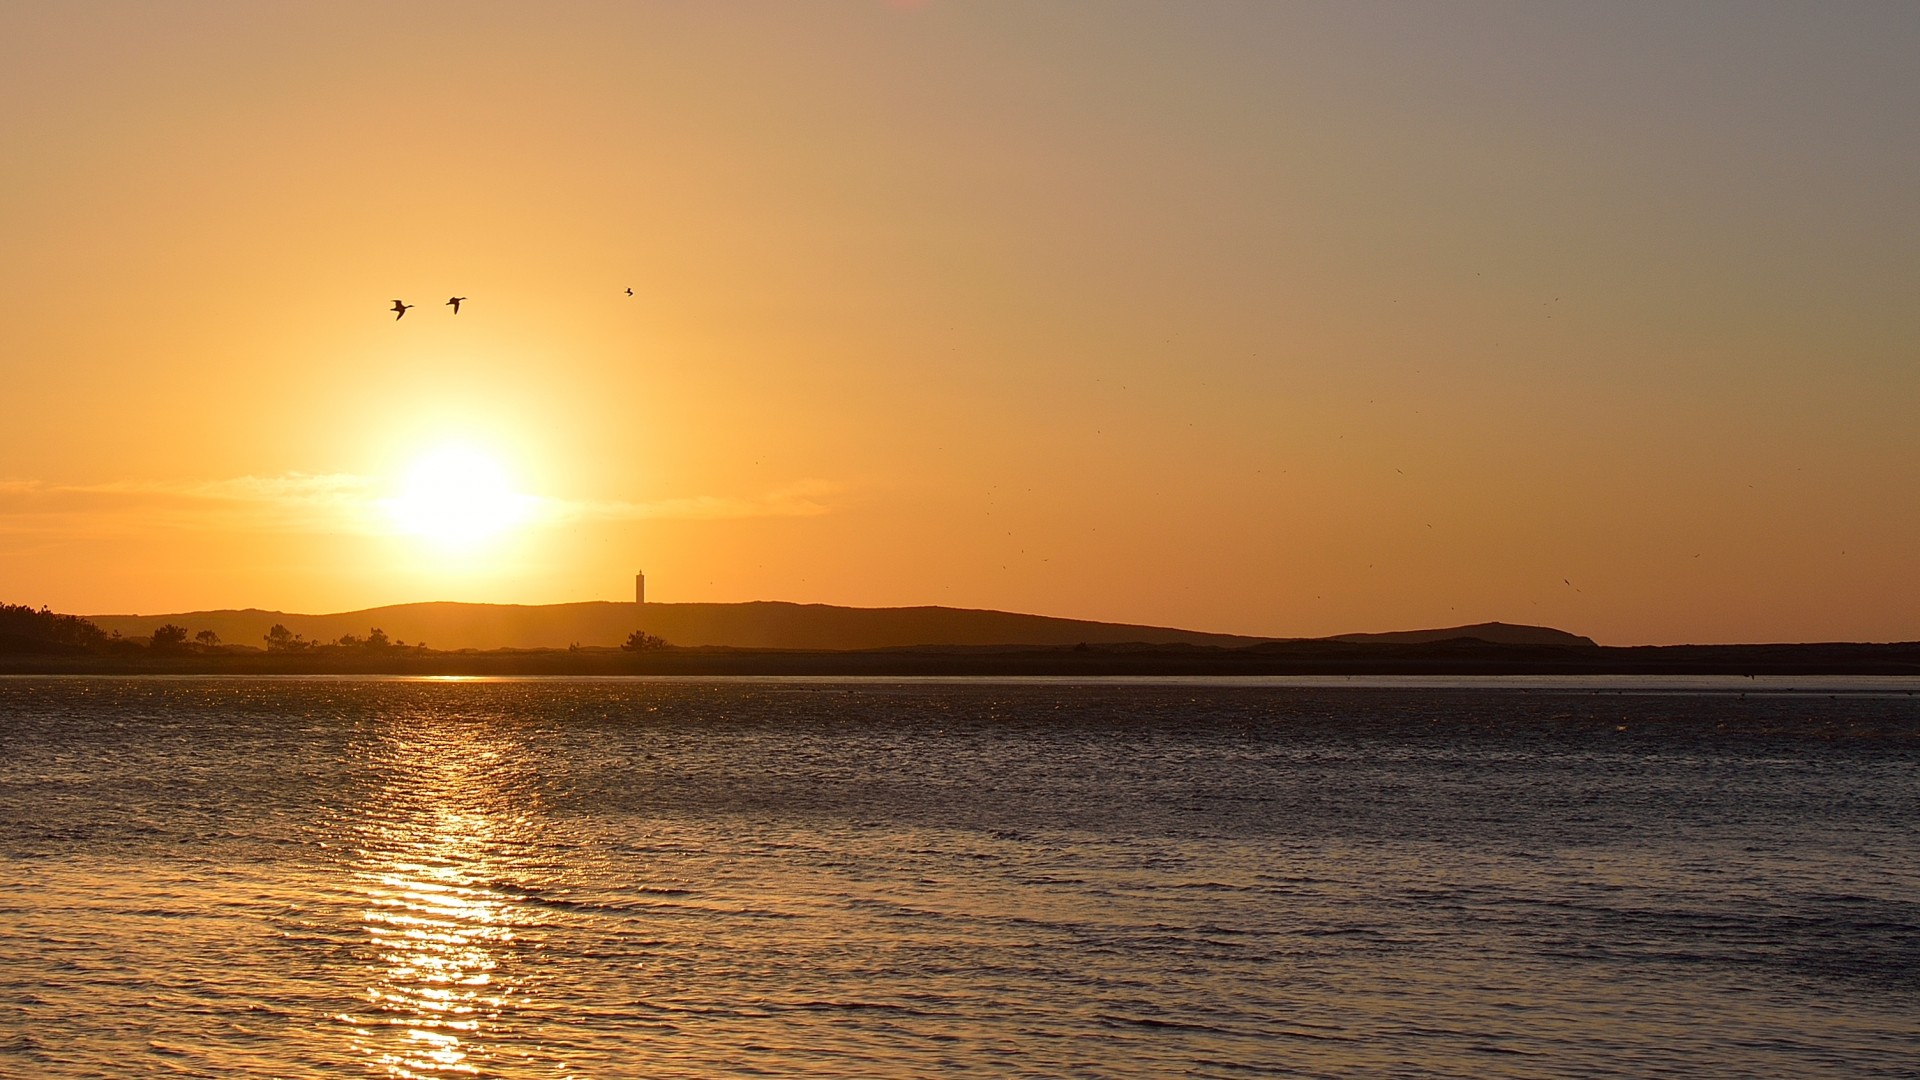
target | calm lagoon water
x=685, y=878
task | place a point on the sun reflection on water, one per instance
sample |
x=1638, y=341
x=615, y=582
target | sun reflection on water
x=438, y=835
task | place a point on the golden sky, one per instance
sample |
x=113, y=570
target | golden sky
x=1272, y=318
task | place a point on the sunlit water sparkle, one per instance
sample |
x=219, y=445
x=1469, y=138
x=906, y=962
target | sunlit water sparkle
x=550, y=878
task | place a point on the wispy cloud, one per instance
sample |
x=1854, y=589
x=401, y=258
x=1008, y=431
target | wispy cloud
x=804, y=499
x=292, y=502
x=330, y=503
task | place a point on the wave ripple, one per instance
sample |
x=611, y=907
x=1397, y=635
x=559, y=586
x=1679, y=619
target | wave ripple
x=317, y=878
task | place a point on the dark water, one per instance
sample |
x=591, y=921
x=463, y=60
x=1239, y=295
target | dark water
x=294, y=878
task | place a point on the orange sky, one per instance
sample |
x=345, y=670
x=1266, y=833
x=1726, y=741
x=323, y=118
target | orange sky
x=1269, y=318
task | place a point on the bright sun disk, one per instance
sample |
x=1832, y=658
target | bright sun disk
x=459, y=498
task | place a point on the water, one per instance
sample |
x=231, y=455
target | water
x=548, y=878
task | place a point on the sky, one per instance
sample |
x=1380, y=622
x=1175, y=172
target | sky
x=1271, y=318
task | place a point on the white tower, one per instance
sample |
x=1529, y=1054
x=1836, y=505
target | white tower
x=640, y=588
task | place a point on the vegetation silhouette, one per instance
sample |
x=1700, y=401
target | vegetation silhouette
x=375, y=641
x=282, y=640
x=26, y=630
x=24, y=624
x=641, y=641
x=29, y=630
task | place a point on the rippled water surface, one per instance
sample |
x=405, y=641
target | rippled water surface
x=294, y=878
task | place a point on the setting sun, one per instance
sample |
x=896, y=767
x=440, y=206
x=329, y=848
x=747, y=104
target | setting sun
x=458, y=497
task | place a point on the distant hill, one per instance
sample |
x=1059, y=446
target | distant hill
x=757, y=625
x=1498, y=633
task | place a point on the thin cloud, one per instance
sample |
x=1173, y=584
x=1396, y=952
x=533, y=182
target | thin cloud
x=804, y=499
x=330, y=503
x=292, y=502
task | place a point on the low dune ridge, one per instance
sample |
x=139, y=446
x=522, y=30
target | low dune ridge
x=754, y=625
x=1497, y=633
x=762, y=624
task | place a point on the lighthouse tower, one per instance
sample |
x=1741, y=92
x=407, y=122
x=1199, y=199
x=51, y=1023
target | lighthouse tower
x=640, y=588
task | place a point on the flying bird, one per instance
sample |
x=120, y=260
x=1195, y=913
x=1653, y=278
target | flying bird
x=399, y=310
x=629, y=292
x=455, y=301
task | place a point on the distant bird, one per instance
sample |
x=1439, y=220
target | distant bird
x=399, y=310
x=455, y=301
x=629, y=292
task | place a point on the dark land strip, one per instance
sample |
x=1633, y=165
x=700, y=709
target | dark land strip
x=1316, y=657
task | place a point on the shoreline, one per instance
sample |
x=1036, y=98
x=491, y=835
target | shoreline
x=1453, y=658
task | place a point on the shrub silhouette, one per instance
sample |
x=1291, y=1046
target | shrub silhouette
x=281, y=639
x=641, y=641
x=21, y=621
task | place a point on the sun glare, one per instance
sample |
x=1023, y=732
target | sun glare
x=458, y=498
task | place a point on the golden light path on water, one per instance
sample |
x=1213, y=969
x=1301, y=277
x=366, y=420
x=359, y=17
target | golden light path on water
x=579, y=879
x=437, y=835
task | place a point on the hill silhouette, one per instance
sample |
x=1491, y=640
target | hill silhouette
x=775, y=639
x=1497, y=633
x=755, y=625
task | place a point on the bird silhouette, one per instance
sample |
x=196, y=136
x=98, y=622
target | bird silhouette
x=455, y=301
x=399, y=310
x=629, y=292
